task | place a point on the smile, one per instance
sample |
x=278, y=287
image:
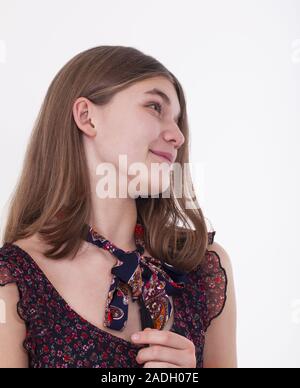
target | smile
x=164, y=158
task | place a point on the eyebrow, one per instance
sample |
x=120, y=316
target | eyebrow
x=163, y=95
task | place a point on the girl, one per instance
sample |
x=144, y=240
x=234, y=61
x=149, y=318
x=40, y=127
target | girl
x=82, y=269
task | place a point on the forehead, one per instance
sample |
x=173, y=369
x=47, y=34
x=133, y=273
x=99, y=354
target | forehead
x=155, y=82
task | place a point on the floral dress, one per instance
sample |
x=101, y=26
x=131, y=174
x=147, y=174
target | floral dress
x=58, y=337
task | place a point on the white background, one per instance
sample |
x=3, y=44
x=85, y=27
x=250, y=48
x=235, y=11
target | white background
x=239, y=64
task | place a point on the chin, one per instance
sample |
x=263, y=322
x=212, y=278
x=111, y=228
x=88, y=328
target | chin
x=156, y=189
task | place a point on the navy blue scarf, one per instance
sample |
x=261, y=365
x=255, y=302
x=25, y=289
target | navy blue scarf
x=150, y=281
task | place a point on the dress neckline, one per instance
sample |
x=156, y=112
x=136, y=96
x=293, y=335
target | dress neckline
x=76, y=315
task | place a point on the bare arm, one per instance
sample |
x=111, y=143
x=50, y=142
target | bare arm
x=220, y=343
x=12, y=330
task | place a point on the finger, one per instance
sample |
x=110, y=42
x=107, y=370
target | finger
x=163, y=337
x=162, y=354
x=153, y=364
x=148, y=328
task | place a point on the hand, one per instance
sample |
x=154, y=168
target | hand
x=167, y=350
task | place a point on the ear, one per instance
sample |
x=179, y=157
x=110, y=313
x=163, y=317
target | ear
x=82, y=112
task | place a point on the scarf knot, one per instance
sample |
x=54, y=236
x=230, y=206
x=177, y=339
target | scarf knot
x=150, y=281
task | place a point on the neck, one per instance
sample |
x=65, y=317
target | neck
x=115, y=219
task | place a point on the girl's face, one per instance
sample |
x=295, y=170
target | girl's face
x=136, y=121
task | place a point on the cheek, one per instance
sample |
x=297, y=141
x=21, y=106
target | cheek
x=131, y=134
x=147, y=126
x=138, y=139
x=124, y=152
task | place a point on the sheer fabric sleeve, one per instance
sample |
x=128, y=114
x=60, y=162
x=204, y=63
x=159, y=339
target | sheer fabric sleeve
x=6, y=275
x=11, y=273
x=213, y=282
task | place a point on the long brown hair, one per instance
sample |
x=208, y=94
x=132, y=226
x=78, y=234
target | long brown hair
x=54, y=176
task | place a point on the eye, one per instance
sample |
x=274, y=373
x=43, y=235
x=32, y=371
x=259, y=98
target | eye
x=157, y=104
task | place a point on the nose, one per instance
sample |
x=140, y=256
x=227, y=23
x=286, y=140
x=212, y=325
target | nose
x=173, y=133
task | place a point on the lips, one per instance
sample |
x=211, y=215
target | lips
x=166, y=155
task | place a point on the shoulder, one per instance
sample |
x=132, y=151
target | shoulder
x=6, y=275
x=16, y=253
x=216, y=262
x=215, y=280
x=222, y=256
x=12, y=325
x=221, y=268
x=11, y=256
x=9, y=290
x=9, y=249
x=12, y=262
x=220, y=326
x=223, y=280
x=29, y=244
